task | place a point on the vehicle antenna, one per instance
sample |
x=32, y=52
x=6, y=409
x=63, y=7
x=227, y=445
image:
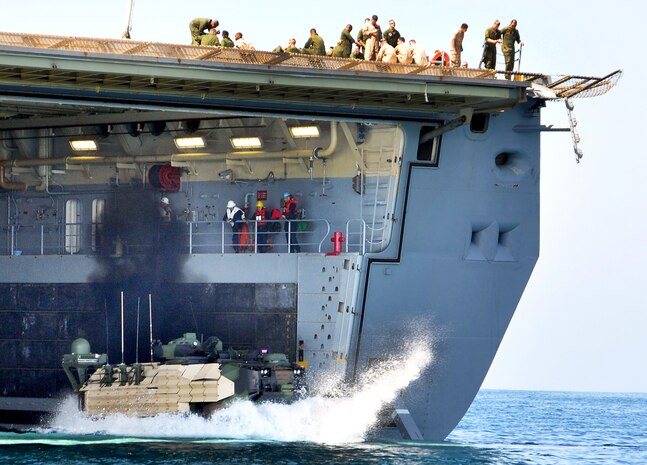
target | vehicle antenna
x=195, y=322
x=105, y=313
x=150, y=323
x=122, y=327
x=137, y=336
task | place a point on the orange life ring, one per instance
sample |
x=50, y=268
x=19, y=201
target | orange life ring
x=440, y=58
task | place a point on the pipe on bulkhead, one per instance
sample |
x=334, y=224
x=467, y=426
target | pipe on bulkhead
x=320, y=153
x=111, y=160
x=247, y=201
x=8, y=185
x=44, y=149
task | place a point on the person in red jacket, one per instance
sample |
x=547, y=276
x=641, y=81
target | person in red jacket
x=261, y=216
x=291, y=213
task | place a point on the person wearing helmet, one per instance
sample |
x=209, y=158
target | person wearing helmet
x=261, y=216
x=291, y=213
x=165, y=211
x=235, y=217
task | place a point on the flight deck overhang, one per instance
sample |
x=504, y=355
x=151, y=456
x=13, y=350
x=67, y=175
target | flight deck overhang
x=251, y=81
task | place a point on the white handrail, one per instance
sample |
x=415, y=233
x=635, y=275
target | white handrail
x=202, y=237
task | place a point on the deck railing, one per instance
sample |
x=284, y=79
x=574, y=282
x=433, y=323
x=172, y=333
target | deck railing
x=197, y=237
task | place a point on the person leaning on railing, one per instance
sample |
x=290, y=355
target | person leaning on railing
x=235, y=217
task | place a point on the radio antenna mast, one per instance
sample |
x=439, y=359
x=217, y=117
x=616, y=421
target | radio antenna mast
x=129, y=22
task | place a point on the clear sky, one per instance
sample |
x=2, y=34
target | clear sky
x=582, y=322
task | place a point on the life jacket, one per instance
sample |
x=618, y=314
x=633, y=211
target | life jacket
x=275, y=216
x=290, y=209
x=260, y=215
x=236, y=215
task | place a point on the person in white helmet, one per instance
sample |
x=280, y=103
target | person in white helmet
x=235, y=217
x=165, y=211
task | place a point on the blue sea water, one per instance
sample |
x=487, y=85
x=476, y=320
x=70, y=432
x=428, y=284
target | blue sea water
x=501, y=427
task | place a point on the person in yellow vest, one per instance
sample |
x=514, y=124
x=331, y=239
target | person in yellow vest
x=261, y=216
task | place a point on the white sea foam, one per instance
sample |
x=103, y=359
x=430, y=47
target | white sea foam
x=330, y=417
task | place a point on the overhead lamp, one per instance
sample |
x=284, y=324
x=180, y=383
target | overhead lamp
x=301, y=132
x=246, y=142
x=83, y=145
x=189, y=142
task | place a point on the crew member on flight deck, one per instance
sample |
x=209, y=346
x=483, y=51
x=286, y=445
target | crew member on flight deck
x=509, y=36
x=392, y=34
x=198, y=27
x=345, y=43
x=226, y=40
x=315, y=44
x=492, y=37
x=456, y=45
x=211, y=39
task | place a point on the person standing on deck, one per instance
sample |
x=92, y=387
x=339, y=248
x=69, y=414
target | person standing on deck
x=373, y=32
x=291, y=213
x=457, y=45
x=261, y=216
x=392, y=34
x=235, y=217
x=509, y=36
x=198, y=27
x=165, y=211
x=492, y=38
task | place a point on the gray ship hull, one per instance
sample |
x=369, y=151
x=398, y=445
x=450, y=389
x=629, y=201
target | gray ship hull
x=424, y=172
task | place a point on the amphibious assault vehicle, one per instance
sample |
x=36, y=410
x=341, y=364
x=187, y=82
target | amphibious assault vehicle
x=187, y=376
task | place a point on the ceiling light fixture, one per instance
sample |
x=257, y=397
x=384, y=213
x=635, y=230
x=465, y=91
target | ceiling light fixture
x=85, y=145
x=246, y=142
x=189, y=142
x=301, y=132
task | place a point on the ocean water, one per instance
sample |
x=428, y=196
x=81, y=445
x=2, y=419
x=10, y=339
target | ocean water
x=501, y=427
